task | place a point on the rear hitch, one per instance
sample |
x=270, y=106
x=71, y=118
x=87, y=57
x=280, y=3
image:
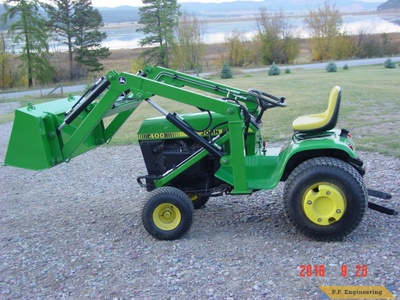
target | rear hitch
x=380, y=208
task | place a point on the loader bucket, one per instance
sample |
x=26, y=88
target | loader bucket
x=36, y=144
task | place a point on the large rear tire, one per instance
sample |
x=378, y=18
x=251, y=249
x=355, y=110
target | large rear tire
x=325, y=198
x=167, y=213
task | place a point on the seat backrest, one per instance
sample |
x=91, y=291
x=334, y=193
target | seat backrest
x=332, y=112
x=322, y=121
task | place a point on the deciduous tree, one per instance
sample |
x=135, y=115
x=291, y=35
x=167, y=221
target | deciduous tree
x=276, y=35
x=188, y=45
x=376, y=45
x=242, y=51
x=324, y=25
x=235, y=43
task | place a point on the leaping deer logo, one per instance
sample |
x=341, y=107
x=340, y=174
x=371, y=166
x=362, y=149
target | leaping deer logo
x=122, y=80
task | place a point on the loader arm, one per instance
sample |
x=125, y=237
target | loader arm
x=60, y=130
x=179, y=79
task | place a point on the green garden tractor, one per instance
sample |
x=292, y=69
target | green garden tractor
x=216, y=150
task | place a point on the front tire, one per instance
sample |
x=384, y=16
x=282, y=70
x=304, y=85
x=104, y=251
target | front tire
x=167, y=213
x=325, y=198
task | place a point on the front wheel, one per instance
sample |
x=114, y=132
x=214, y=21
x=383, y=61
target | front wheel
x=167, y=213
x=325, y=198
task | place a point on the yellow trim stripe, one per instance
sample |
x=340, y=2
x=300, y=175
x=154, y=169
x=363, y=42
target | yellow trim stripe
x=174, y=135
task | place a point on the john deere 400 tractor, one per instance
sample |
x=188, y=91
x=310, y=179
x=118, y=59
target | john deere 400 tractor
x=217, y=150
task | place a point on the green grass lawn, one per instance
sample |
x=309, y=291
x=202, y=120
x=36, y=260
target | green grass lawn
x=369, y=108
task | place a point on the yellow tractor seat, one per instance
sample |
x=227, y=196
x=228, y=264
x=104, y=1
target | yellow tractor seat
x=323, y=121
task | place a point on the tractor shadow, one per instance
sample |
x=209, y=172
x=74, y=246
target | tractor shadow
x=260, y=214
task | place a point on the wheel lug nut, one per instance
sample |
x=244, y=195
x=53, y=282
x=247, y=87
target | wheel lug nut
x=309, y=202
x=319, y=220
x=338, y=211
x=328, y=193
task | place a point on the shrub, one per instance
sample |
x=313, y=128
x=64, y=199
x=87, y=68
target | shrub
x=287, y=71
x=226, y=72
x=274, y=70
x=389, y=64
x=345, y=67
x=331, y=67
x=137, y=64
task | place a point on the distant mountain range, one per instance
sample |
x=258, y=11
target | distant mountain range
x=239, y=8
x=390, y=5
x=124, y=14
x=120, y=14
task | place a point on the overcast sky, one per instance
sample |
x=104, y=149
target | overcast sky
x=108, y=3
x=114, y=3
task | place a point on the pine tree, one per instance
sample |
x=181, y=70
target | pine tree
x=77, y=25
x=331, y=67
x=28, y=27
x=274, y=70
x=4, y=64
x=159, y=17
x=87, y=22
x=226, y=72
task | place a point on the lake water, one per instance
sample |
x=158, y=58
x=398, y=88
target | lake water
x=125, y=35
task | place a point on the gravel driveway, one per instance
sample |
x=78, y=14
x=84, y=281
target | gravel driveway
x=74, y=232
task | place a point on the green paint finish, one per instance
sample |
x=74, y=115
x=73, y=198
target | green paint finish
x=265, y=170
x=35, y=142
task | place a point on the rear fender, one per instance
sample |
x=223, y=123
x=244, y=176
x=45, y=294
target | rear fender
x=332, y=144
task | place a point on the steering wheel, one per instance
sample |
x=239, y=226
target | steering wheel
x=265, y=97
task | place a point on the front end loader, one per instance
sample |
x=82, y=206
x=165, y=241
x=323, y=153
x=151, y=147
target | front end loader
x=216, y=150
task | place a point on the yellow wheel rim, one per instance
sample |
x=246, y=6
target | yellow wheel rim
x=324, y=203
x=167, y=216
